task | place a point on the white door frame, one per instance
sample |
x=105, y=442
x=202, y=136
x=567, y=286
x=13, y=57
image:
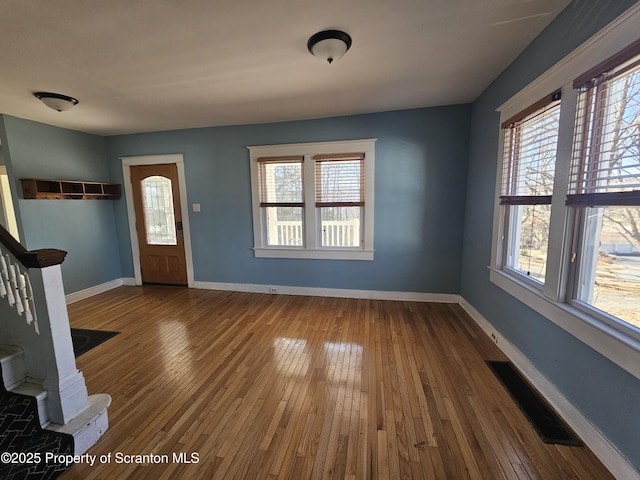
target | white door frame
x=178, y=160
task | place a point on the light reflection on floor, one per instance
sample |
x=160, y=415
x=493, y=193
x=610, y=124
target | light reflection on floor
x=294, y=357
x=177, y=356
x=291, y=356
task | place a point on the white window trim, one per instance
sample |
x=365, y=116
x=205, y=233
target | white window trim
x=611, y=338
x=312, y=249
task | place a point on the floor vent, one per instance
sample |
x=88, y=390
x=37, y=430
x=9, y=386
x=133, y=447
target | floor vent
x=544, y=420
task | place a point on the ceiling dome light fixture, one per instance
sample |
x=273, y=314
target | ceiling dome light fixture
x=56, y=101
x=329, y=45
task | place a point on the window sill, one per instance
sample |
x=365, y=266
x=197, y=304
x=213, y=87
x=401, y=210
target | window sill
x=324, y=254
x=622, y=348
x=522, y=278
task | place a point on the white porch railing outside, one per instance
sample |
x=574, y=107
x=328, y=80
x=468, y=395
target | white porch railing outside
x=344, y=233
x=341, y=233
x=286, y=233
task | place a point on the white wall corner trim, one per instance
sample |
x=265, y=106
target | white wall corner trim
x=608, y=454
x=330, y=292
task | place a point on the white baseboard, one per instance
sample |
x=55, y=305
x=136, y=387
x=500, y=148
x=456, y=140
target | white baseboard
x=283, y=290
x=95, y=290
x=608, y=454
x=330, y=292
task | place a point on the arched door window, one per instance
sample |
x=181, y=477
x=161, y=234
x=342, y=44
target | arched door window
x=159, y=217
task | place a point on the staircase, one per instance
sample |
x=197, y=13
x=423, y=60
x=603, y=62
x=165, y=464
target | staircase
x=14, y=381
x=86, y=428
x=36, y=354
x=33, y=453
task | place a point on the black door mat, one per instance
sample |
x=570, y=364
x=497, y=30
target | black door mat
x=84, y=340
x=544, y=420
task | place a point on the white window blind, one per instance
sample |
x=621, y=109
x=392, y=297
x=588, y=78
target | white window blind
x=606, y=161
x=281, y=181
x=339, y=180
x=339, y=185
x=530, y=141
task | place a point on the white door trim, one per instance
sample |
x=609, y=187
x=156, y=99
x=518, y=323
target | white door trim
x=178, y=160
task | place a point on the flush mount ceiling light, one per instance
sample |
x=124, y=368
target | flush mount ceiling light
x=56, y=101
x=329, y=45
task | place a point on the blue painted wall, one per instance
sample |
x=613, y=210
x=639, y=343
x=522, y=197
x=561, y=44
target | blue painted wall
x=421, y=158
x=606, y=394
x=84, y=228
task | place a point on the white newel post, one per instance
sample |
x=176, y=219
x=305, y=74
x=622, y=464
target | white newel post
x=35, y=324
x=66, y=390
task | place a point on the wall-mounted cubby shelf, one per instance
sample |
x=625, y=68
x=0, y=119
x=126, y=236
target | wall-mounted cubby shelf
x=43, y=189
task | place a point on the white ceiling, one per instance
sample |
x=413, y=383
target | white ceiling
x=148, y=65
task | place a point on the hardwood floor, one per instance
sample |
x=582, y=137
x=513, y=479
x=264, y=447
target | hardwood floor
x=274, y=386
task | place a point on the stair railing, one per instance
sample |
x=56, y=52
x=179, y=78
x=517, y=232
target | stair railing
x=15, y=286
x=31, y=284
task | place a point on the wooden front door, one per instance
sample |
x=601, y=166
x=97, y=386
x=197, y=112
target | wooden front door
x=156, y=200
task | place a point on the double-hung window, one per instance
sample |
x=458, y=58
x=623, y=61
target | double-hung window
x=339, y=182
x=281, y=200
x=566, y=233
x=314, y=200
x=604, y=190
x=529, y=158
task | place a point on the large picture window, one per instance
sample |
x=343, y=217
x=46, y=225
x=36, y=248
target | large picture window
x=314, y=200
